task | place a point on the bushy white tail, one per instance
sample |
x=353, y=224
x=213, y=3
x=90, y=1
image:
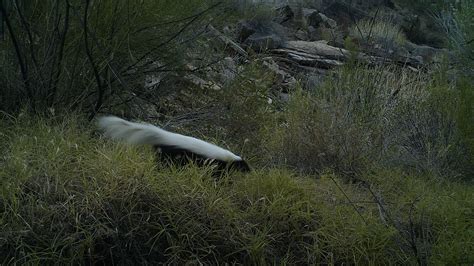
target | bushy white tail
x=133, y=133
x=137, y=133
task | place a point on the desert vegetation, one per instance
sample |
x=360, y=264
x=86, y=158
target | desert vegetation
x=361, y=154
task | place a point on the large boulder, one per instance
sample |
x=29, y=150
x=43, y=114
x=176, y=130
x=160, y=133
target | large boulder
x=345, y=14
x=261, y=36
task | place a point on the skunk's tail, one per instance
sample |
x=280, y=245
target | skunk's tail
x=130, y=132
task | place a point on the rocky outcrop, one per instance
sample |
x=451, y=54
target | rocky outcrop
x=260, y=36
x=315, y=54
x=292, y=48
x=319, y=48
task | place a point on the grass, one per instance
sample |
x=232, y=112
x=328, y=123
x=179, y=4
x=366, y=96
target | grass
x=363, y=117
x=70, y=197
x=372, y=167
x=432, y=211
x=383, y=32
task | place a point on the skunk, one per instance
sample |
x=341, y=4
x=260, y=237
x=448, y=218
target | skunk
x=173, y=146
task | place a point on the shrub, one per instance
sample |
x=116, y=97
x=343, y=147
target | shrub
x=458, y=23
x=379, y=31
x=366, y=116
x=430, y=217
x=247, y=106
x=307, y=139
x=335, y=126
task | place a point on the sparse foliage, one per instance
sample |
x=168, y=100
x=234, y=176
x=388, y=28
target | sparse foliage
x=90, y=55
x=366, y=116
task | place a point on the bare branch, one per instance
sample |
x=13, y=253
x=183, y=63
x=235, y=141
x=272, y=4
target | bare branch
x=54, y=86
x=100, y=96
x=174, y=36
x=23, y=66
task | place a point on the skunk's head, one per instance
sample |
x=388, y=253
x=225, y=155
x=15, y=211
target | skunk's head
x=240, y=165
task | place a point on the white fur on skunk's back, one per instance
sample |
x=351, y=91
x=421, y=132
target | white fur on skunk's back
x=137, y=133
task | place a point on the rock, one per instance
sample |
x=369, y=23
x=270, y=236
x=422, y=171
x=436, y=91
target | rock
x=319, y=48
x=308, y=11
x=283, y=80
x=262, y=36
x=345, y=14
x=224, y=72
x=313, y=34
x=317, y=19
x=409, y=54
x=302, y=35
x=427, y=53
x=321, y=55
x=245, y=29
x=316, y=54
x=284, y=14
x=306, y=59
x=259, y=42
x=284, y=97
x=201, y=83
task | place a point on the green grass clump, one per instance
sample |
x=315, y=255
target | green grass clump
x=70, y=197
x=376, y=31
x=434, y=218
